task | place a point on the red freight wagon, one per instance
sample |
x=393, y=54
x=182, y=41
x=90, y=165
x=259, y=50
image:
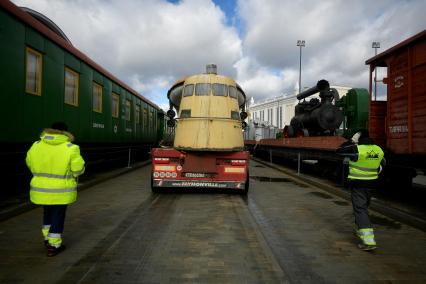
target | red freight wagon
x=399, y=123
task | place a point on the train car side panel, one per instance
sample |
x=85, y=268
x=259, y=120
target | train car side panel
x=53, y=80
x=419, y=98
x=12, y=87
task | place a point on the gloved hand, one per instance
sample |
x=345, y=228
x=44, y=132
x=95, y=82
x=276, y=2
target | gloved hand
x=355, y=138
x=346, y=161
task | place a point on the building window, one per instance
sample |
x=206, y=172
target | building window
x=128, y=105
x=138, y=114
x=33, y=72
x=71, y=87
x=97, y=97
x=281, y=117
x=115, y=105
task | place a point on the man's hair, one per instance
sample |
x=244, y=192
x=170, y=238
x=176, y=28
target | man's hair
x=59, y=126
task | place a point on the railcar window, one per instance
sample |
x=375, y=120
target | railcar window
x=138, y=114
x=115, y=105
x=145, y=118
x=97, y=97
x=202, y=89
x=71, y=87
x=232, y=92
x=189, y=90
x=33, y=72
x=151, y=120
x=220, y=90
x=128, y=105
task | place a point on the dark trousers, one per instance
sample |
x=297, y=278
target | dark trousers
x=361, y=196
x=54, y=215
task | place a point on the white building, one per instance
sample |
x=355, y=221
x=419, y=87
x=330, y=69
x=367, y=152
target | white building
x=278, y=111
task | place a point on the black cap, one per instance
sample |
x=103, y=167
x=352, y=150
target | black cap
x=59, y=126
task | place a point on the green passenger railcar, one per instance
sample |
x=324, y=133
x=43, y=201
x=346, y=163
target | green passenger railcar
x=44, y=78
x=25, y=48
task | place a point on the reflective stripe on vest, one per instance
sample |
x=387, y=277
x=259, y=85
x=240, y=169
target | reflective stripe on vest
x=52, y=175
x=53, y=190
x=363, y=175
x=363, y=169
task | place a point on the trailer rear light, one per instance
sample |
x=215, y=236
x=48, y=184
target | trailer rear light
x=162, y=160
x=233, y=170
x=156, y=174
x=174, y=175
x=238, y=162
x=164, y=168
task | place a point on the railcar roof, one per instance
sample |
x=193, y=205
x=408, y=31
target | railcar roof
x=51, y=35
x=197, y=76
x=379, y=59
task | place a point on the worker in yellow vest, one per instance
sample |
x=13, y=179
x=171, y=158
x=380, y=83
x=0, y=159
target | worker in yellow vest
x=55, y=163
x=365, y=163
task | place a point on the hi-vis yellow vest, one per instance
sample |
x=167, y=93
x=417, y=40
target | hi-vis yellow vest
x=366, y=168
x=55, y=163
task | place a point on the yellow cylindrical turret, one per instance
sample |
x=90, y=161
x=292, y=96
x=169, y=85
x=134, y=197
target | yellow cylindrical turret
x=208, y=108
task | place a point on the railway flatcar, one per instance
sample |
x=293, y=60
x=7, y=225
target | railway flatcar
x=397, y=124
x=44, y=79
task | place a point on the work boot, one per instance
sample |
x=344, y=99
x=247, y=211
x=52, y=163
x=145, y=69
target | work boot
x=52, y=251
x=367, y=238
x=367, y=247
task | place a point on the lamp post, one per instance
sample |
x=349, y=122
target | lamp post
x=300, y=44
x=375, y=45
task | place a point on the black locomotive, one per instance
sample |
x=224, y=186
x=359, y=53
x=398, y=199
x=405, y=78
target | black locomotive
x=316, y=117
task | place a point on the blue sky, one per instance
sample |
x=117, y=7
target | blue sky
x=151, y=43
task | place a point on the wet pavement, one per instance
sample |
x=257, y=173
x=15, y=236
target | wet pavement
x=282, y=231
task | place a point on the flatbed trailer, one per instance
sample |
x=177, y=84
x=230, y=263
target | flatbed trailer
x=172, y=168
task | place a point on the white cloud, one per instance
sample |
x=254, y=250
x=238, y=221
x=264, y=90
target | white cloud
x=150, y=40
x=151, y=43
x=338, y=36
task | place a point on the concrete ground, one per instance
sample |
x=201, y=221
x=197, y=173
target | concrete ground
x=283, y=231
